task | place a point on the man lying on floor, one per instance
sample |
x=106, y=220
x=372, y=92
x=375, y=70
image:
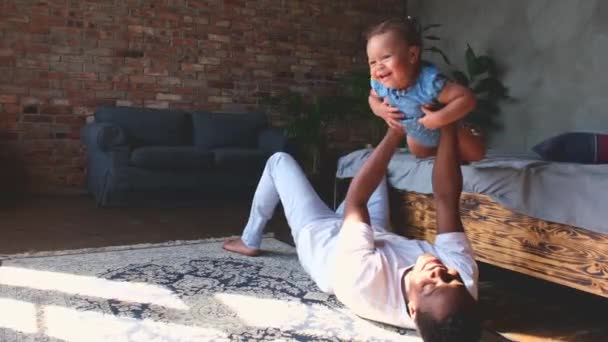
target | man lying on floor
x=375, y=273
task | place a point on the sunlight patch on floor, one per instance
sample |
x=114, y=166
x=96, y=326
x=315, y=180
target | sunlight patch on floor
x=90, y=286
x=309, y=319
x=18, y=315
x=73, y=325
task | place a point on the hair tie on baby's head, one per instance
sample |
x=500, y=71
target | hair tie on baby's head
x=415, y=24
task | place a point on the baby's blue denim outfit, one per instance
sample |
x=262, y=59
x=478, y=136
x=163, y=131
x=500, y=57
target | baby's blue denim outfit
x=425, y=91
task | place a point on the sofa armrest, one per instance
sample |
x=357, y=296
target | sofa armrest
x=103, y=136
x=120, y=156
x=271, y=140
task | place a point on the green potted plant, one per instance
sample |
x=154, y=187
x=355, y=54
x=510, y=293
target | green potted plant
x=307, y=117
x=481, y=75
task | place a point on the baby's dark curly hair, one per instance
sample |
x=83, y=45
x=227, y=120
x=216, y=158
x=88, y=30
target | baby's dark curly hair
x=408, y=29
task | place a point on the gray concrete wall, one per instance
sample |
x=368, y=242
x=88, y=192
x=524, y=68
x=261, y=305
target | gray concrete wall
x=554, y=54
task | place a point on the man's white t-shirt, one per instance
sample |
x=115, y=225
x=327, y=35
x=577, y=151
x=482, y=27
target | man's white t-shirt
x=363, y=266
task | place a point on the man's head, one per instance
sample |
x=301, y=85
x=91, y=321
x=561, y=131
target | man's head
x=439, y=303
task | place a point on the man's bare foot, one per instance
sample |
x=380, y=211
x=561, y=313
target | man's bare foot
x=237, y=246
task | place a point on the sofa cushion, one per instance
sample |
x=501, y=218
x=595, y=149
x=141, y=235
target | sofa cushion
x=239, y=159
x=575, y=147
x=145, y=126
x=172, y=158
x=211, y=130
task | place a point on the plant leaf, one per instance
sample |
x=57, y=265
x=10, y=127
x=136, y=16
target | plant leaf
x=430, y=26
x=460, y=77
x=487, y=107
x=437, y=50
x=471, y=61
x=294, y=103
x=486, y=64
x=492, y=86
x=432, y=37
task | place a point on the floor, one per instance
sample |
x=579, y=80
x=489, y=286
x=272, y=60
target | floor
x=522, y=308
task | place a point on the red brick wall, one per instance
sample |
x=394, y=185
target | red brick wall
x=59, y=59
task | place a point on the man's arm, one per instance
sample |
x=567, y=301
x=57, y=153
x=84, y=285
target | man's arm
x=384, y=110
x=368, y=178
x=447, y=182
x=360, y=273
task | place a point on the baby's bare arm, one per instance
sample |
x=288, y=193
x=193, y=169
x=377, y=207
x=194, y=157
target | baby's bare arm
x=458, y=100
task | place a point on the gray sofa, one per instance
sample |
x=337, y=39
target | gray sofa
x=143, y=157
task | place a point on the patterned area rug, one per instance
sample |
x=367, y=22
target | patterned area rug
x=179, y=291
x=174, y=292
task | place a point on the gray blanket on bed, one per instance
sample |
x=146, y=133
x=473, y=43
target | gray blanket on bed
x=572, y=194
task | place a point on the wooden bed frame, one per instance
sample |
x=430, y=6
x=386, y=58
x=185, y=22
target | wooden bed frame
x=559, y=253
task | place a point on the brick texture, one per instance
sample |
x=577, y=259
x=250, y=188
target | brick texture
x=60, y=59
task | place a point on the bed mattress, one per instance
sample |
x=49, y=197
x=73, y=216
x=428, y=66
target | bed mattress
x=566, y=193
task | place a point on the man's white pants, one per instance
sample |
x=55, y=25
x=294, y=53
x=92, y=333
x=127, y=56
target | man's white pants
x=284, y=180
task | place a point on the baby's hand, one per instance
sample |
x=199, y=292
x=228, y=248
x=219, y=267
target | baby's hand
x=384, y=110
x=430, y=119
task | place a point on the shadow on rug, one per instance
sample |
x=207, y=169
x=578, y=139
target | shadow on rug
x=179, y=291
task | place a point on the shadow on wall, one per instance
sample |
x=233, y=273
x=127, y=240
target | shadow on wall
x=13, y=177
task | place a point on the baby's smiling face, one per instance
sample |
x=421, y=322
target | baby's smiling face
x=391, y=61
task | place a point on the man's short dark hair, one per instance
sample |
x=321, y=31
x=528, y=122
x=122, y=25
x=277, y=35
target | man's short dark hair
x=461, y=326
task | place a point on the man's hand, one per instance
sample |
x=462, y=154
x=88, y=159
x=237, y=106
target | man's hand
x=431, y=119
x=383, y=109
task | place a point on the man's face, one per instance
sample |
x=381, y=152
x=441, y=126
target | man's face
x=434, y=288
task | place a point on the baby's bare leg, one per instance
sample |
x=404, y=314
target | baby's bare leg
x=471, y=145
x=420, y=151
